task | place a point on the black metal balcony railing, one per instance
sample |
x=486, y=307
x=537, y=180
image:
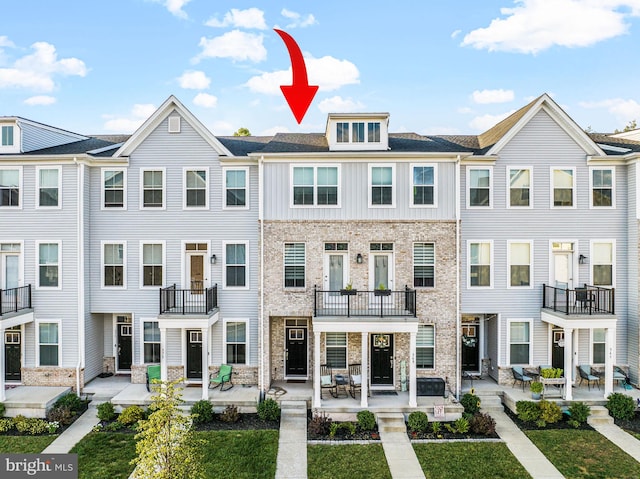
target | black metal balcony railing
x=188, y=301
x=588, y=300
x=364, y=303
x=15, y=299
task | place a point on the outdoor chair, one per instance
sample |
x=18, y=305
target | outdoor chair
x=586, y=375
x=585, y=298
x=519, y=375
x=223, y=377
x=620, y=376
x=355, y=379
x=327, y=381
x=153, y=372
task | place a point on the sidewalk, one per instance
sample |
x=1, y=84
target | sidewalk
x=70, y=436
x=620, y=438
x=292, y=444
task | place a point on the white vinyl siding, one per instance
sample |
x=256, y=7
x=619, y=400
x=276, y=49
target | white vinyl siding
x=294, y=265
x=114, y=187
x=520, y=261
x=425, y=347
x=479, y=187
x=49, y=187
x=336, y=349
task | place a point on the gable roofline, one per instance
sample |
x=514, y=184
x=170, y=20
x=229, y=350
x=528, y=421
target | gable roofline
x=499, y=135
x=171, y=104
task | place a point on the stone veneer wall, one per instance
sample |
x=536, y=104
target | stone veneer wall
x=241, y=374
x=109, y=364
x=51, y=376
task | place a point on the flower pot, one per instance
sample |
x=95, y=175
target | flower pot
x=535, y=395
x=348, y=292
x=382, y=292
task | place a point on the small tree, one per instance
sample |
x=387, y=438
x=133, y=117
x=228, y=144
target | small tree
x=166, y=447
x=242, y=131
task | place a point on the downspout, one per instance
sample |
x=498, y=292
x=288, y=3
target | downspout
x=458, y=348
x=262, y=359
x=80, y=275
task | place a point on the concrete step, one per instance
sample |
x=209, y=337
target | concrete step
x=491, y=403
x=391, y=422
x=294, y=408
x=599, y=415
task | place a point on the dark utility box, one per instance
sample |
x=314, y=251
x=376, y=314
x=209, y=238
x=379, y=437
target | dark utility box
x=430, y=387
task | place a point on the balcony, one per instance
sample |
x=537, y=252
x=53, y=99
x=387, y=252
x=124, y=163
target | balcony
x=15, y=300
x=200, y=301
x=352, y=303
x=588, y=300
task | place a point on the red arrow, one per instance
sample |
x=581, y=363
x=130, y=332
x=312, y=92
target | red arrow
x=300, y=94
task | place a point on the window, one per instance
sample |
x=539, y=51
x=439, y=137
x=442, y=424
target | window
x=152, y=264
x=563, y=190
x=235, y=183
x=113, y=264
x=48, y=187
x=425, y=347
x=423, y=265
x=336, y=350
x=519, y=342
x=48, y=265
x=519, y=264
x=602, y=188
x=357, y=132
x=381, y=181
x=342, y=132
x=423, y=185
x=152, y=188
x=294, y=265
x=373, y=132
x=151, y=341
x=519, y=187
x=10, y=187
x=237, y=342
x=479, y=187
x=480, y=264
x=196, y=195
x=602, y=264
x=235, y=265
x=315, y=185
x=48, y=344
x=114, y=187
x=598, y=340
x=7, y=135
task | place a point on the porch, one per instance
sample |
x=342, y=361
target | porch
x=15, y=300
x=354, y=303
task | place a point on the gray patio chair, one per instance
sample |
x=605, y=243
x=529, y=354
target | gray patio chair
x=586, y=374
x=519, y=375
x=327, y=381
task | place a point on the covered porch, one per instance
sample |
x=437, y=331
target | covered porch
x=10, y=318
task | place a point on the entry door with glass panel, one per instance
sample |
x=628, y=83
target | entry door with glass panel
x=562, y=265
x=194, y=354
x=336, y=273
x=125, y=343
x=9, y=265
x=196, y=254
x=557, y=348
x=470, y=347
x=13, y=354
x=381, y=360
x=381, y=272
x=295, y=363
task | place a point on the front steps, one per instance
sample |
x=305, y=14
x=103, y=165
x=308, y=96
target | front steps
x=599, y=415
x=490, y=403
x=391, y=422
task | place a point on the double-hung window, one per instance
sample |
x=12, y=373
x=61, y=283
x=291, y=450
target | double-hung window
x=113, y=265
x=235, y=184
x=336, y=349
x=48, y=265
x=599, y=342
x=519, y=342
x=152, y=264
x=315, y=185
x=423, y=185
x=478, y=187
x=563, y=187
x=519, y=264
x=603, y=254
x=196, y=190
x=236, y=340
x=10, y=179
x=519, y=188
x=235, y=259
x=49, y=187
x=602, y=193
x=294, y=265
x=7, y=135
x=342, y=132
x=480, y=255
x=114, y=184
x=151, y=341
x=381, y=179
x=49, y=344
x=425, y=347
x=152, y=188
x=423, y=265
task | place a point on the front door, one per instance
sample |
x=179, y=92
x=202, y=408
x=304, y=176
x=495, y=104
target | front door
x=557, y=349
x=125, y=343
x=381, y=360
x=12, y=355
x=335, y=277
x=296, y=349
x=470, y=348
x=194, y=354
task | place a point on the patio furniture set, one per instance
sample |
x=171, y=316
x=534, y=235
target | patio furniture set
x=337, y=384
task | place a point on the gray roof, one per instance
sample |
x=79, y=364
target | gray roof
x=75, y=148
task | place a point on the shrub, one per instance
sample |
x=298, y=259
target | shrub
x=60, y=414
x=72, y=401
x=131, y=415
x=536, y=387
x=579, y=412
x=349, y=427
x=6, y=424
x=31, y=425
x=1, y=410
x=435, y=427
x=461, y=425
x=528, y=411
x=202, y=411
x=106, y=411
x=114, y=426
x=550, y=413
x=320, y=424
x=333, y=429
x=269, y=410
x=552, y=373
x=366, y=420
x=471, y=403
x=483, y=424
x=620, y=406
x=418, y=421
x=230, y=414
x=52, y=426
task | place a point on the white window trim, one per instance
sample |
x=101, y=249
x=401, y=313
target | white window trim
x=573, y=189
x=184, y=187
x=346, y=348
x=508, y=348
x=413, y=264
x=59, y=205
x=59, y=243
x=124, y=188
x=124, y=263
x=247, y=342
x=164, y=263
x=315, y=167
x=613, y=187
x=164, y=190
x=591, y=344
x=224, y=265
x=468, y=186
x=509, y=243
x=284, y=267
x=47, y=321
x=491, y=265
x=142, y=341
x=435, y=357
x=592, y=264
x=13, y=145
x=531, y=195
x=435, y=185
x=246, y=187
x=394, y=185
x=20, y=187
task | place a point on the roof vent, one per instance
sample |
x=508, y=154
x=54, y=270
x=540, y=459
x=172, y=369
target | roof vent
x=174, y=124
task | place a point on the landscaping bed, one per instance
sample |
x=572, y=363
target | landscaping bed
x=532, y=426
x=321, y=427
x=630, y=425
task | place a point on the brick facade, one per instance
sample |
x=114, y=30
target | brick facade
x=51, y=376
x=241, y=374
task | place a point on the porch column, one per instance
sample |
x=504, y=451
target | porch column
x=316, y=369
x=568, y=363
x=413, y=402
x=205, y=363
x=2, y=366
x=163, y=354
x=364, y=388
x=609, y=348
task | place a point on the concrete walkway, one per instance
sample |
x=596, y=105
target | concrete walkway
x=401, y=458
x=292, y=444
x=620, y=438
x=70, y=436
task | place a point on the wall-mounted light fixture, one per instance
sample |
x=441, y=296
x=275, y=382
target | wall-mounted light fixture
x=582, y=259
x=359, y=258
x=213, y=259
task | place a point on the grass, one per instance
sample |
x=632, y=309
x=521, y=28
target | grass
x=347, y=462
x=455, y=460
x=584, y=454
x=25, y=444
x=105, y=454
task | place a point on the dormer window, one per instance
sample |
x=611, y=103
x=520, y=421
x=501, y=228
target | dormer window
x=374, y=132
x=342, y=132
x=357, y=131
x=7, y=135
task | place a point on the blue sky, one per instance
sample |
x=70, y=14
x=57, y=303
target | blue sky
x=436, y=66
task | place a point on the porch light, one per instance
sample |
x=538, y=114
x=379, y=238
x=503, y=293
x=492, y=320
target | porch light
x=582, y=259
x=213, y=259
x=359, y=258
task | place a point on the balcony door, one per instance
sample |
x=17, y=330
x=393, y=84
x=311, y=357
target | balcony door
x=196, y=255
x=336, y=277
x=562, y=268
x=380, y=272
x=9, y=269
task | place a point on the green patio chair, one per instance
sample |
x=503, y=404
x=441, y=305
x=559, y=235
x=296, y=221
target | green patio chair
x=223, y=377
x=153, y=372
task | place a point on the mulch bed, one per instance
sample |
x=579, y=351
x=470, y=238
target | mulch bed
x=632, y=425
x=60, y=430
x=532, y=426
x=446, y=435
x=248, y=421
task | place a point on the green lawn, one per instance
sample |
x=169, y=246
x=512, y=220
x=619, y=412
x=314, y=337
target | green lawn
x=25, y=444
x=584, y=454
x=457, y=460
x=349, y=461
x=105, y=454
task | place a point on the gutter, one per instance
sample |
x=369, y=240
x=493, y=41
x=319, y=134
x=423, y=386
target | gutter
x=80, y=274
x=261, y=326
x=458, y=319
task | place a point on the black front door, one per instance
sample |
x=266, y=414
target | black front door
x=12, y=354
x=382, y=359
x=470, y=350
x=557, y=349
x=194, y=354
x=296, y=351
x=124, y=347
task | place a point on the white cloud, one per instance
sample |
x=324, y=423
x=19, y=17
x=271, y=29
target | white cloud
x=327, y=72
x=455, y=33
x=249, y=18
x=139, y=113
x=205, y=100
x=174, y=7
x=236, y=45
x=337, y=104
x=535, y=25
x=36, y=71
x=194, y=80
x=623, y=110
x=40, y=100
x=492, y=96
x=222, y=128
x=298, y=20
x=5, y=42
x=484, y=122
